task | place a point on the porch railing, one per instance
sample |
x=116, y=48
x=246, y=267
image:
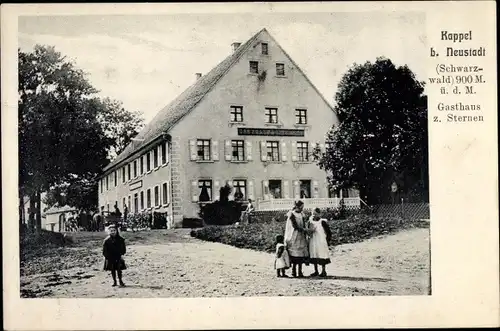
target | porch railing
x=286, y=204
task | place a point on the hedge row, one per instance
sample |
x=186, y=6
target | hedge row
x=261, y=236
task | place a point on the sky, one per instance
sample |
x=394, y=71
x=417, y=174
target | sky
x=145, y=61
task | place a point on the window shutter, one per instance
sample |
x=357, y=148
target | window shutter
x=315, y=189
x=250, y=190
x=265, y=189
x=312, y=146
x=227, y=150
x=284, y=156
x=296, y=189
x=216, y=190
x=286, y=189
x=231, y=192
x=263, y=151
x=192, y=149
x=194, y=191
x=249, y=150
x=215, y=150
x=294, y=151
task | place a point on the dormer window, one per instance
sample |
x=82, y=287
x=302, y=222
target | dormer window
x=254, y=67
x=265, y=50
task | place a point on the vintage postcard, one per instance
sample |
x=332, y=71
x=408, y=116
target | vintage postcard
x=250, y=165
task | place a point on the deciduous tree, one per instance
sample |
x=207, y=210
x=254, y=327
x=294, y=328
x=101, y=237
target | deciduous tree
x=382, y=135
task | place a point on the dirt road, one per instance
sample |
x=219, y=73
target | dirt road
x=181, y=266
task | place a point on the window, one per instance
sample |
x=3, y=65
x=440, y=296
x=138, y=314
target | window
x=165, y=193
x=148, y=162
x=254, y=67
x=265, y=49
x=107, y=182
x=303, y=151
x=124, y=204
x=271, y=115
x=305, y=189
x=164, y=153
x=116, y=178
x=275, y=188
x=236, y=114
x=107, y=207
x=203, y=146
x=238, y=153
x=155, y=158
x=205, y=187
x=142, y=199
x=148, y=198
x=129, y=172
x=280, y=69
x=142, y=165
x=123, y=175
x=157, y=196
x=136, y=202
x=135, y=169
x=240, y=189
x=300, y=116
x=129, y=203
x=273, y=152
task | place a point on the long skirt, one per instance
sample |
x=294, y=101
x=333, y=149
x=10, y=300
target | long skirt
x=110, y=265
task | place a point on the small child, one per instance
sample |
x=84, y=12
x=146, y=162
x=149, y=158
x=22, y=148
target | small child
x=282, y=261
x=318, y=244
x=113, y=249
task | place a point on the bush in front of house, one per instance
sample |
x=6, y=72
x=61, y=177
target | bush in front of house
x=223, y=211
x=144, y=220
x=261, y=236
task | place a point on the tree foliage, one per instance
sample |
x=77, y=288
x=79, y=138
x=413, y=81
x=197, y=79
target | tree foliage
x=66, y=132
x=382, y=135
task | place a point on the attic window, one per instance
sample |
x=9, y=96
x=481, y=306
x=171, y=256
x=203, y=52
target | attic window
x=265, y=50
x=280, y=69
x=254, y=67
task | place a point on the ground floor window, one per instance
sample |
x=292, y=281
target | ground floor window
x=142, y=200
x=205, y=187
x=136, y=202
x=240, y=189
x=275, y=189
x=148, y=198
x=165, y=193
x=305, y=189
x=157, y=196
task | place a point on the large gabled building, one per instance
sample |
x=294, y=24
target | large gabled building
x=252, y=122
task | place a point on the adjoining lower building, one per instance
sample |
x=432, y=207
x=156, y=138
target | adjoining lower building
x=251, y=122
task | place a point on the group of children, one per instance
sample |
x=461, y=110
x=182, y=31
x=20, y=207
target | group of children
x=311, y=236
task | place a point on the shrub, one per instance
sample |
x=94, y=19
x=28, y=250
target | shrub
x=192, y=222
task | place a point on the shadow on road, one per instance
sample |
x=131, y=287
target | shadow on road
x=144, y=287
x=354, y=279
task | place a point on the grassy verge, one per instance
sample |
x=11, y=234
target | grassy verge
x=261, y=236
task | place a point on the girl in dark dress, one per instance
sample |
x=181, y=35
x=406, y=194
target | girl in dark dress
x=113, y=249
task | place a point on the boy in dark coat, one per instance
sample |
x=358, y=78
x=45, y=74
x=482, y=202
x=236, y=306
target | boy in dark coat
x=113, y=249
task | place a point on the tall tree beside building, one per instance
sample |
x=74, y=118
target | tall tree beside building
x=382, y=135
x=63, y=137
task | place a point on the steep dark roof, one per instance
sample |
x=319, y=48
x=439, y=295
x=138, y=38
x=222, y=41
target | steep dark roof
x=182, y=105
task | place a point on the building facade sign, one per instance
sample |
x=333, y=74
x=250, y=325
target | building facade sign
x=135, y=186
x=270, y=132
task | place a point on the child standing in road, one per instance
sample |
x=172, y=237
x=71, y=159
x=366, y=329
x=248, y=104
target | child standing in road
x=113, y=249
x=282, y=261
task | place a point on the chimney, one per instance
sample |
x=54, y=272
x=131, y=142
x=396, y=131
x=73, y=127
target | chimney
x=198, y=75
x=235, y=46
